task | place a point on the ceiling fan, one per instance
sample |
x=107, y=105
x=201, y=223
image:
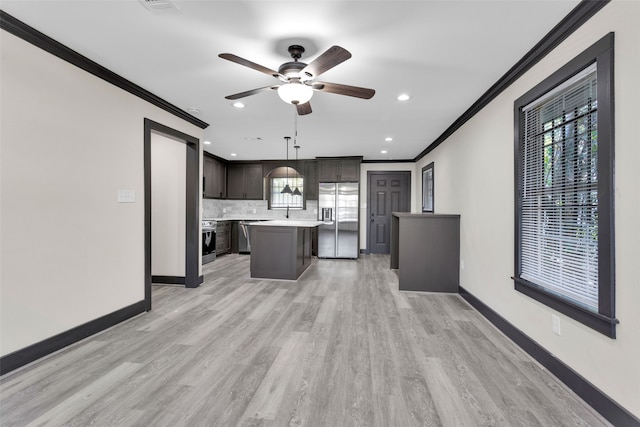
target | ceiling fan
x=297, y=77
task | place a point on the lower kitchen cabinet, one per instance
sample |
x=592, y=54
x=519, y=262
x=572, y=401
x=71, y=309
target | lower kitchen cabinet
x=223, y=237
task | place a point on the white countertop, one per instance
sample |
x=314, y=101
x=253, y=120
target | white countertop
x=288, y=223
x=254, y=218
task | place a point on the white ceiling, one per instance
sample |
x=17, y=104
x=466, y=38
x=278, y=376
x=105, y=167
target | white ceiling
x=445, y=54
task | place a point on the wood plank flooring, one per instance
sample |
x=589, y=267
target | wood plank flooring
x=339, y=347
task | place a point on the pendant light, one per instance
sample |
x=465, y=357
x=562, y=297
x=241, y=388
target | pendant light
x=287, y=188
x=296, y=191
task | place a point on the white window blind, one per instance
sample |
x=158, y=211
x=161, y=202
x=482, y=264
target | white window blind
x=559, y=208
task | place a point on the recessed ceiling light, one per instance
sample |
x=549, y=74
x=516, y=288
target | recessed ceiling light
x=383, y=152
x=193, y=110
x=238, y=104
x=388, y=139
x=207, y=142
x=403, y=97
x=233, y=154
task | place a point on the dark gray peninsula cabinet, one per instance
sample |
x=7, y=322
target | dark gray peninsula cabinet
x=425, y=248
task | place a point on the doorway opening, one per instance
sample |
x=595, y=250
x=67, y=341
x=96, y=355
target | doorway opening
x=192, y=277
x=388, y=191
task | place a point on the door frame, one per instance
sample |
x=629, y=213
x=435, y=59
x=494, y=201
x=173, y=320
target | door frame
x=192, y=277
x=370, y=175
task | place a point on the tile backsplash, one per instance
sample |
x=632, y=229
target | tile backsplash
x=214, y=208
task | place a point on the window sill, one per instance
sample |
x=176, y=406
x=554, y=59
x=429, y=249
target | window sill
x=598, y=322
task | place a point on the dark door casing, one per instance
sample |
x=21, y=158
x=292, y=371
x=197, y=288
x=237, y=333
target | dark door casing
x=388, y=192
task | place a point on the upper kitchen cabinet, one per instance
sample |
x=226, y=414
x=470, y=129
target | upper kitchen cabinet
x=214, y=178
x=244, y=181
x=346, y=169
x=311, y=179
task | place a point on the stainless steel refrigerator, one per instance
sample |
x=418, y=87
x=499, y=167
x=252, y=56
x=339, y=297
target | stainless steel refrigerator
x=338, y=210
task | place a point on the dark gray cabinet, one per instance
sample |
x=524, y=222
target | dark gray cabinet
x=339, y=170
x=289, y=261
x=214, y=178
x=244, y=181
x=223, y=237
x=425, y=248
x=311, y=179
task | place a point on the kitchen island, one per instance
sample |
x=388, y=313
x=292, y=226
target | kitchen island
x=280, y=249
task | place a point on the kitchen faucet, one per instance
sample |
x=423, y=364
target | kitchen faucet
x=287, y=215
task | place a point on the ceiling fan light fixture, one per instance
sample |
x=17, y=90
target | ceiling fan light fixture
x=295, y=93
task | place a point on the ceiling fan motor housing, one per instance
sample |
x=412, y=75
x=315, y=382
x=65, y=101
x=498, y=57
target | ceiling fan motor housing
x=291, y=70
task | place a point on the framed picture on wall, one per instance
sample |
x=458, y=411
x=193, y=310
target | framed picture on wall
x=427, y=188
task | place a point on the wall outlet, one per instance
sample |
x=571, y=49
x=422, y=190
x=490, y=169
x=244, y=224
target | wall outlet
x=224, y=210
x=126, y=196
x=555, y=324
x=255, y=211
x=461, y=264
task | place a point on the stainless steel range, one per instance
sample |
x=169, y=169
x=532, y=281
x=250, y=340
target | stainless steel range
x=208, y=240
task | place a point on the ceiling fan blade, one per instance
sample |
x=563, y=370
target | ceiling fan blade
x=357, y=92
x=303, y=108
x=329, y=59
x=251, y=92
x=234, y=58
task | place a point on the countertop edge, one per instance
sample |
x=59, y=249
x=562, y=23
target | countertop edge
x=423, y=215
x=287, y=223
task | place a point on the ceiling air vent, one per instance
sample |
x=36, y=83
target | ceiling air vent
x=158, y=4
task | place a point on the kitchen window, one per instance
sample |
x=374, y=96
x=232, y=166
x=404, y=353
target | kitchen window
x=564, y=251
x=281, y=200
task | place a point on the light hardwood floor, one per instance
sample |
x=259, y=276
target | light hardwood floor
x=339, y=347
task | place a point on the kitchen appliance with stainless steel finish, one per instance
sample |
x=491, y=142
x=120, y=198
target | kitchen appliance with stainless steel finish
x=244, y=243
x=338, y=236
x=208, y=240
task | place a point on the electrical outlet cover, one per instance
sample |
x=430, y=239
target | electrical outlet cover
x=555, y=324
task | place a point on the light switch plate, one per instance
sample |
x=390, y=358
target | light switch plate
x=126, y=196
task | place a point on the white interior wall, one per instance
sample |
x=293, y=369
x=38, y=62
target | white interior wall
x=474, y=172
x=69, y=252
x=168, y=198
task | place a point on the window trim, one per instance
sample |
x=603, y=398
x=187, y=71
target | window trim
x=426, y=168
x=270, y=188
x=602, y=53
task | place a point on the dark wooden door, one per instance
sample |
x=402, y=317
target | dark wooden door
x=388, y=192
